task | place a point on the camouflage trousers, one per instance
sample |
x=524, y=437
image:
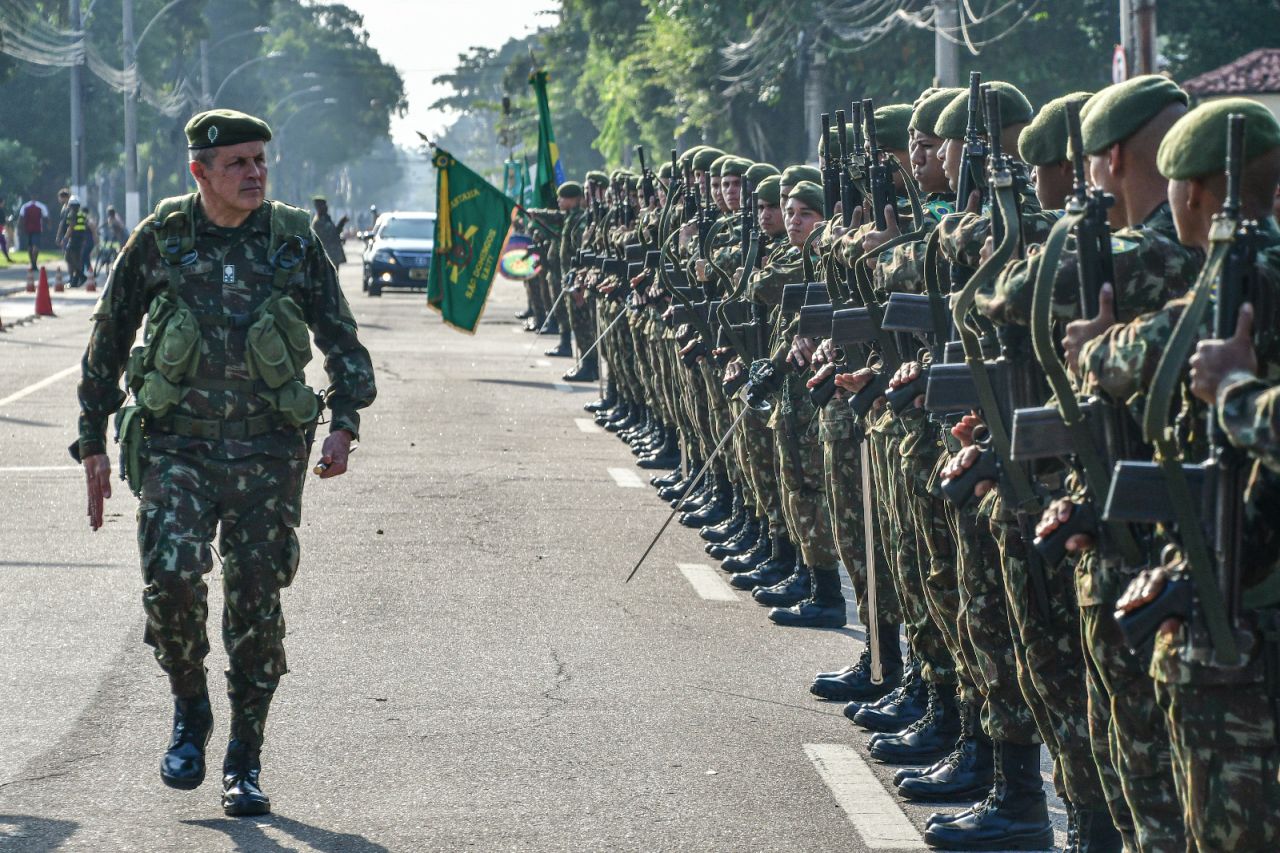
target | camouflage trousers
x=580, y=316
x=719, y=419
x=982, y=626
x=842, y=462
x=253, y=505
x=1130, y=738
x=1051, y=668
x=761, y=467
x=551, y=290
x=898, y=542
x=804, y=496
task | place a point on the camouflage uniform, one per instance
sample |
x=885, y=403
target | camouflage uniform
x=251, y=486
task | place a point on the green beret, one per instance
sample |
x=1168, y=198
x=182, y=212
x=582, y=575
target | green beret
x=616, y=175
x=1044, y=141
x=664, y=171
x=793, y=175
x=954, y=118
x=809, y=194
x=734, y=167
x=891, y=126
x=717, y=163
x=570, y=189
x=686, y=159
x=703, y=159
x=597, y=178
x=759, y=172
x=215, y=128
x=928, y=108
x=924, y=96
x=1196, y=145
x=769, y=190
x=1120, y=111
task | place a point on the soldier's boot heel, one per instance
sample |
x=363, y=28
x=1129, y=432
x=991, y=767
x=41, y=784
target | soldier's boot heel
x=183, y=765
x=1014, y=816
x=242, y=793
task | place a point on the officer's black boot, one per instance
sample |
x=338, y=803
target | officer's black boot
x=564, y=349
x=182, y=766
x=929, y=738
x=1095, y=832
x=1013, y=817
x=824, y=608
x=901, y=707
x=242, y=794
x=725, y=530
x=853, y=684
x=587, y=371
x=606, y=402
x=759, y=554
x=965, y=774
x=794, y=588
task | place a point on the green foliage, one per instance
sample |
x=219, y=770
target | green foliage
x=18, y=168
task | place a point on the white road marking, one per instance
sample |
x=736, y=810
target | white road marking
x=624, y=478
x=20, y=468
x=587, y=425
x=707, y=582
x=872, y=811
x=517, y=329
x=542, y=362
x=36, y=386
x=564, y=387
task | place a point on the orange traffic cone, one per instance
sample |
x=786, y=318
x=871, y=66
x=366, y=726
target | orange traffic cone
x=91, y=283
x=44, y=305
x=31, y=281
x=57, y=281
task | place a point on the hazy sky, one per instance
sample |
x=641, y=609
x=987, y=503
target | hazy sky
x=423, y=38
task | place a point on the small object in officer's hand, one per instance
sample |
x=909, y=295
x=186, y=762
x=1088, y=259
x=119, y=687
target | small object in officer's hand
x=323, y=466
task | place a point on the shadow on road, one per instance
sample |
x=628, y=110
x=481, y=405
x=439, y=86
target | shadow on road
x=27, y=832
x=249, y=838
x=541, y=385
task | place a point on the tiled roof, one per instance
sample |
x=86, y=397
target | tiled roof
x=1254, y=73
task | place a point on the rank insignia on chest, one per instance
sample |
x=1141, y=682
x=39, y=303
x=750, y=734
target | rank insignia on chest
x=229, y=274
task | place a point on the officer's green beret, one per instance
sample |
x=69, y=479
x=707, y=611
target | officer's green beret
x=1044, y=141
x=570, y=189
x=215, y=128
x=759, y=172
x=597, y=178
x=769, y=190
x=1196, y=145
x=1119, y=111
x=793, y=175
x=735, y=166
x=809, y=194
x=928, y=108
x=891, y=126
x=664, y=171
x=954, y=118
x=703, y=159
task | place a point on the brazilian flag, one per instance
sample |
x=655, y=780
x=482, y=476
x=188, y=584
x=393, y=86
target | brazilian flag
x=473, y=220
x=550, y=172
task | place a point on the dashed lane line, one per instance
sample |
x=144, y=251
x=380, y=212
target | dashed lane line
x=542, y=362
x=873, y=812
x=625, y=478
x=587, y=425
x=707, y=582
x=563, y=387
x=36, y=386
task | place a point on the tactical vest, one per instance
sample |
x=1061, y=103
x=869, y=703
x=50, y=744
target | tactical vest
x=77, y=222
x=277, y=339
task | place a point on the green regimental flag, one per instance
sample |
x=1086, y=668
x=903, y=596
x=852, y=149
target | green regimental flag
x=550, y=172
x=473, y=220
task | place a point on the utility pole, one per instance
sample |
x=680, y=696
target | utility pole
x=1144, y=30
x=132, y=205
x=205, y=95
x=813, y=104
x=77, y=113
x=946, y=53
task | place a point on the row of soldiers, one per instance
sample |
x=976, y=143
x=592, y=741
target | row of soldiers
x=1014, y=372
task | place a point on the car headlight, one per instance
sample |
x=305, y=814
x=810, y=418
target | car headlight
x=384, y=256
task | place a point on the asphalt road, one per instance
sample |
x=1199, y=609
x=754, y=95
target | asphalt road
x=468, y=670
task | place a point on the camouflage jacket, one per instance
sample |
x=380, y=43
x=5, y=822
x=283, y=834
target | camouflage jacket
x=963, y=234
x=901, y=269
x=1249, y=413
x=232, y=275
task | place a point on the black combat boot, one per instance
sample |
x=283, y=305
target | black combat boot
x=665, y=455
x=725, y=530
x=616, y=412
x=698, y=498
x=182, y=766
x=564, y=349
x=824, y=608
x=623, y=417
x=778, y=566
x=853, y=684
x=606, y=402
x=794, y=588
x=676, y=491
x=927, y=739
x=671, y=478
x=965, y=774
x=743, y=539
x=756, y=556
x=1013, y=817
x=1095, y=832
x=242, y=795
x=902, y=707
x=548, y=326
x=714, y=511
x=587, y=371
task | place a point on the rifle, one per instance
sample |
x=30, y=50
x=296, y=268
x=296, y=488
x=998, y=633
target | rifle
x=879, y=172
x=973, y=164
x=646, y=178
x=846, y=179
x=830, y=171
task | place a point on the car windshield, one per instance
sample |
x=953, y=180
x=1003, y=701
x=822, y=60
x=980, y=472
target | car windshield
x=409, y=229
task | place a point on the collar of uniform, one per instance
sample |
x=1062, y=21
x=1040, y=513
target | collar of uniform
x=259, y=221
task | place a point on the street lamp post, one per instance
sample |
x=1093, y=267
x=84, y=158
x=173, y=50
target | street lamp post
x=275, y=54
x=278, y=134
x=205, y=97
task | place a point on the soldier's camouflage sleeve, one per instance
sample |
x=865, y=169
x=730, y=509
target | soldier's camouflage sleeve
x=116, y=319
x=346, y=361
x=766, y=285
x=1249, y=412
x=962, y=237
x=901, y=269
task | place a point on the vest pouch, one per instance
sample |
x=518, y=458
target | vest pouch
x=135, y=369
x=297, y=403
x=293, y=328
x=177, y=350
x=158, y=395
x=129, y=437
x=267, y=354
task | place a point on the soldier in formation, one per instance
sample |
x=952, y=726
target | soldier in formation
x=1013, y=372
